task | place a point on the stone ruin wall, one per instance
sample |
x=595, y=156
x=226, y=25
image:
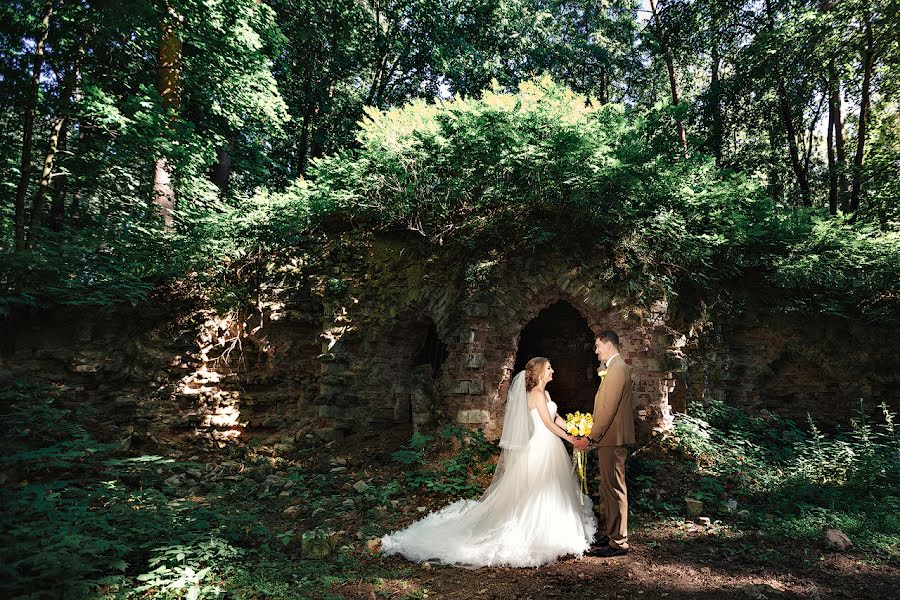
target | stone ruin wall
x=365, y=369
x=335, y=354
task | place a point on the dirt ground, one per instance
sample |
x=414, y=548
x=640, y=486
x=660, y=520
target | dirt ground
x=671, y=559
x=664, y=570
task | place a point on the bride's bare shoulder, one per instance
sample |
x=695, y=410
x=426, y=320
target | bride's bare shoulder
x=535, y=398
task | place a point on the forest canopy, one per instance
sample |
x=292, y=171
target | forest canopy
x=147, y=142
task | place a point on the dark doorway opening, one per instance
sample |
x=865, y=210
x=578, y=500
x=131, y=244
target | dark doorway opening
x=433, y=351
x=561, y=334
x=423, y=378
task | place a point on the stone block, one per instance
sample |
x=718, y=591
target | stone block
x=675, y=362
x=472, y=416
x=664, y=340
x=477, y=309
x=460, y=388
x=655, y=365
x=329, y=411
x=330, y=434
x=694, y=507
x=475, y=360
x=421, y=418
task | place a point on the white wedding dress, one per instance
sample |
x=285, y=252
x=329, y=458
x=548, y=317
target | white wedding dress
x=531, y=514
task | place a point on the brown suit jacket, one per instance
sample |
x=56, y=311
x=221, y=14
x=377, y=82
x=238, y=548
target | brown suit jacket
x=614, y=391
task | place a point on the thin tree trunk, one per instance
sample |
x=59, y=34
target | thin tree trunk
x=58, y=204
x=670, y=67
x=303, y=150
x=168, y=84
x=832, y=167
x=865, y=101
x=382, y=63
x=811, y=132
x=784, y=107
x=839, y=143
x=717, y=125
x=57, y=134
x=373, y=88
x=28, y=126
x=221, y=172
x=37, y=207
x=793, y=148
x=386, y=77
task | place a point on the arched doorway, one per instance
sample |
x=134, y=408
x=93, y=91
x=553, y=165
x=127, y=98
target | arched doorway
x=560, y=333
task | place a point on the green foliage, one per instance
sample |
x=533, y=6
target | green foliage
x=304, y=108
x=539, y=168
x=793, y=483
x=459, y=476
x=544, y=168
x=414, y=451
x=857, y=258
x=80, y=516
x=83, y=518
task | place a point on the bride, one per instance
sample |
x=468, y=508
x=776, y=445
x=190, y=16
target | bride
x=532, y=513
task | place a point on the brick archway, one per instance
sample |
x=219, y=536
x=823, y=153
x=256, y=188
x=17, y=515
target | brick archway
x=560, y=333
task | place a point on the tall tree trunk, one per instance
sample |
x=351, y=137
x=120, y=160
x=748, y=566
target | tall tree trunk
x=303, y=144
x=839, y=187
x=58, y=204
x=168, y=84
x=57, y=134
x=28, y=125
x=832, y=167
x=868, y=58
x=839, y=143
x=221, y=171
x=784, y=107
x=670, y=67
x=37, y=207
x=384, y=45
x=718, y=129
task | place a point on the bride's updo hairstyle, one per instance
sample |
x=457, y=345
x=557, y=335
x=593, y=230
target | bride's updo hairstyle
x=533, y=369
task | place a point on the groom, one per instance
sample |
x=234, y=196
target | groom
x=612, y=432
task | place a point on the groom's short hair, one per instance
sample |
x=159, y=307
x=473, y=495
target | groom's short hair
x=609, y=336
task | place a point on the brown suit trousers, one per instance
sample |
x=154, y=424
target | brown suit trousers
x=614, y=494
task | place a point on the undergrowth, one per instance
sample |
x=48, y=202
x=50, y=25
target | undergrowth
x=762, y=473
x=460, y=475
x=83, y=518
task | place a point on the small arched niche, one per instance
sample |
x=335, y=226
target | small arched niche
x=411, y=358
x=561, y=334
x=424, y=376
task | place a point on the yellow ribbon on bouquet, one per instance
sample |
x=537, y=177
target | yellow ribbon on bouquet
x=580, y=424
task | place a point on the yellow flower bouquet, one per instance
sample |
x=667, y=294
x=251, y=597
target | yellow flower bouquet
x=579, y=424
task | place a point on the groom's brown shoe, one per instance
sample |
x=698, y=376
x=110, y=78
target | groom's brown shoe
x=608, y=552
